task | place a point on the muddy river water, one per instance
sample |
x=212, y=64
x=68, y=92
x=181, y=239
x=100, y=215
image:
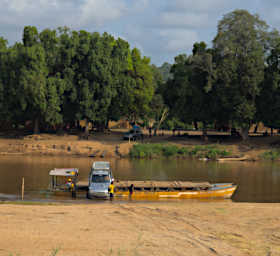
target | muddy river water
x=257, y=181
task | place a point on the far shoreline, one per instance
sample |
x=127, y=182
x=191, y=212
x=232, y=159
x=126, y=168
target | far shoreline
x=113, y=146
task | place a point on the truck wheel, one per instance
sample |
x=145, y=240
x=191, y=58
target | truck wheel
x=88, y=196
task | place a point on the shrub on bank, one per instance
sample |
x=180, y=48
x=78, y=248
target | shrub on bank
x=165, y=150
x=271, y=155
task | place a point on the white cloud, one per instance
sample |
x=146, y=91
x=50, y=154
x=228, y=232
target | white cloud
x=36, y=12
x=199, y=5
x=184, y=19
x=101, y=11
x=272, y=13
x=178, y=39
x=140, y=5
x=61, y=12
x=161, y=28
x=21, y=6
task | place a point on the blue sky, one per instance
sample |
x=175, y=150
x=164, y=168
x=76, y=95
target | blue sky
x=161, y=29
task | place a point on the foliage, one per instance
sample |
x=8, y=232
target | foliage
x=142, y=86
x=56, y=77
x=268, y=102
x=271, y=155
x=239, y=48
x=61, y=76
x=188, y=93
x=165, y=150
x=164, y=70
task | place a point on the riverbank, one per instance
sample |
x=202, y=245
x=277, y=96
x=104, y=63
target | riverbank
x=141, y=228
x=112, y=145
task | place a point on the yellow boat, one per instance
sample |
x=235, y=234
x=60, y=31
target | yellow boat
x=66, y=180
x=177, y=190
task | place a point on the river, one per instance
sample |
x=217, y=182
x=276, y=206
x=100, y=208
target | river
x=257, y=181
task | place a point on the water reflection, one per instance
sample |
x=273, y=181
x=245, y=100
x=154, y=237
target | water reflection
x=257, y=181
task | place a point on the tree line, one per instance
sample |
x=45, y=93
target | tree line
x=235, y=83
x=57, y=77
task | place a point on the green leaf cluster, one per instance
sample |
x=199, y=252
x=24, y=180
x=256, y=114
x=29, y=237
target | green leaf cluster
x=61, y=76
x=166, y=150
x=234, y=83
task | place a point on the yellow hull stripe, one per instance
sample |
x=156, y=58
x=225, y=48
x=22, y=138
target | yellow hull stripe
x=221, y=193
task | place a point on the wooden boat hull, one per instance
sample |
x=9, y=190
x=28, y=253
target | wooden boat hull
x=225, y=191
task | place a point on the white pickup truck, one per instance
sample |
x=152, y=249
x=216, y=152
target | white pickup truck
x=100, y=178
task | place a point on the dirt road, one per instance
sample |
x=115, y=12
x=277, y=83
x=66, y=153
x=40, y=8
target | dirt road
x=141, y=228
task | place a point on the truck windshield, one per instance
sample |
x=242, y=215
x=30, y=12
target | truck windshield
x=100, y=178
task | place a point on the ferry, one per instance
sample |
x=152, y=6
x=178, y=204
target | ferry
x=101, y=176
x=174, y=189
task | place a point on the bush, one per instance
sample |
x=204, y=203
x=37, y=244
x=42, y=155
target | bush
x=145, y=150
x=183, y=151
x=170, y=151
x=271, y=155
x=159, y=150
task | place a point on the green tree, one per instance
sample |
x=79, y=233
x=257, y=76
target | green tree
x=10, y=74
x=164, y=69
x=32, y=90
x=141, y=87
x=158, y=110
x=176, y=90
x=268, y=101
x=202, y=77
x=65, y=68
x=55, y=84
x=121, y=68
x=30, y=36
x=189, y=92
x=33, y=85
x=240, y=50
x=4, y=67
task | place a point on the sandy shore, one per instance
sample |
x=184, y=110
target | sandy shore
x=141, y=228
x=100, y=145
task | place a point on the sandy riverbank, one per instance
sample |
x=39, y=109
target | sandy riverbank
x=141, y=228
x=100, y=144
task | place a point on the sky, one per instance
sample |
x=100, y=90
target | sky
x=161, y=29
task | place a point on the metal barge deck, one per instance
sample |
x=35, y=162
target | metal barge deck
x=169, y=189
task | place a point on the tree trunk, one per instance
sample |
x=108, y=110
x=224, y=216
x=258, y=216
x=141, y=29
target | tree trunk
x=36, y=129
x=155, y=131
x=78, y=125
x=204, y=130
x=86, y=129
x=101, y=126
x=195, y=125
x=163, y=117
x=59, y=129
x=256, y=128
x=245, y=133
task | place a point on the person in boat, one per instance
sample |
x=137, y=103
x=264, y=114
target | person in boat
x=111, y=189
x=131, y=189
x=70, y=184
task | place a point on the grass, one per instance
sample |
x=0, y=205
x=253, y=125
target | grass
x=53, y=253
x=28, y=203
x=271, y=155
x=168, y=150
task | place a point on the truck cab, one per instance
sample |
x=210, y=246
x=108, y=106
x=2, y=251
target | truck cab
x=100, y=178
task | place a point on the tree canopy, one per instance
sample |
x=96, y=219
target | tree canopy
x=56, y=77
x=60, y=76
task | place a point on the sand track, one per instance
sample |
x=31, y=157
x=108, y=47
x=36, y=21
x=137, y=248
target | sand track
x=141, y=228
